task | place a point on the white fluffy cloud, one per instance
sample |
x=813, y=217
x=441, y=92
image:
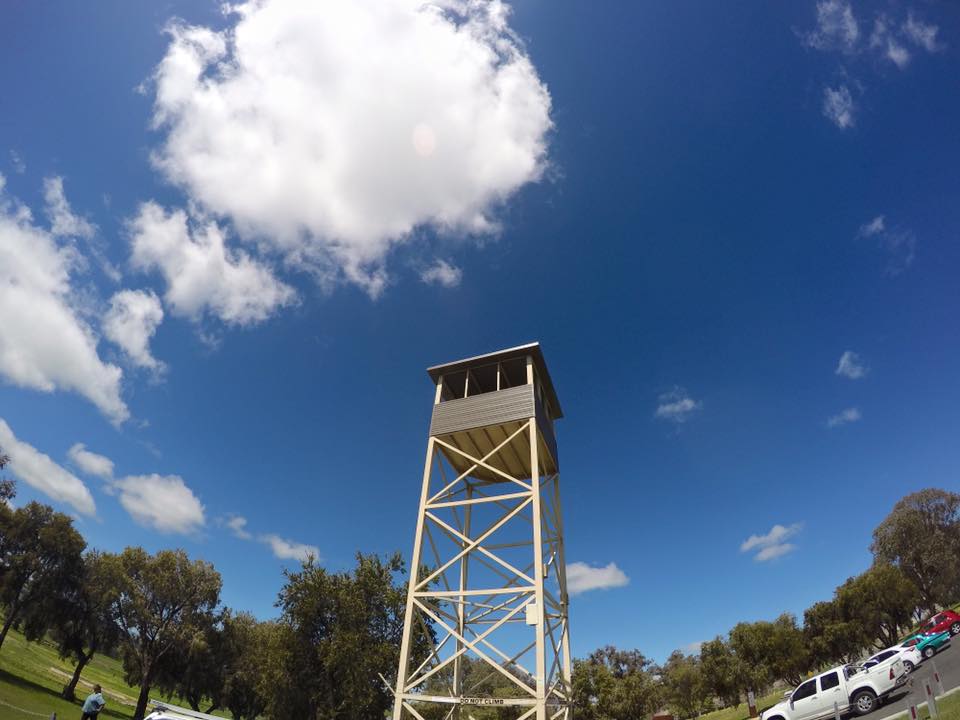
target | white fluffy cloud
x=41, y=473
x=90, y=462
x=773, y=544
x=201, y=273
x=851, y=366
x=442, y=273
x=331, y=154
x=45, y=344
x=582, y=577
x=131, y=322
x=844, y=417
x=837, y=27
x=677, y=406
x=290, y=550
x=838, y=106
x=163, y=502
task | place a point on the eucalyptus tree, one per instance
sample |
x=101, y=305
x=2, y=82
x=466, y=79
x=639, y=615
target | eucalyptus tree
x=921, y=536
x=161, y=601
x=41, y=561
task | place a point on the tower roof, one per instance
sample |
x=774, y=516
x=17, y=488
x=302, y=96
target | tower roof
x=520, y=351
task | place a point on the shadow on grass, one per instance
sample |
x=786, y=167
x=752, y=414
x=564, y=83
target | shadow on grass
x=43, y=692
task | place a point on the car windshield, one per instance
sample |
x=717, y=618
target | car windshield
x=911, y=642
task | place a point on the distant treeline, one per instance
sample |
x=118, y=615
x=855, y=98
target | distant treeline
x=337, y=633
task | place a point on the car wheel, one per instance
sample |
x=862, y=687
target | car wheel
x=864, y=701
x=929, y=652
x=908, y=666
x=955, y=628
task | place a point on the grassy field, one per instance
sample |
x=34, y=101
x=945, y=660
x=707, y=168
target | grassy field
x=740, y=712
x=949, y=709
x=32, y=676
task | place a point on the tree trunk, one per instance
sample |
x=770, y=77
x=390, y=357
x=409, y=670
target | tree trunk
x=8, y=623
x=69, y=690
x=142, y=701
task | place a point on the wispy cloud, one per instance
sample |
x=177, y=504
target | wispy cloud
x=773, y=544
x=898, y=244
x=238, y=526
x=884, y=39
x=838, y=30
x=851, y=366
x=17, y=161
x=844, y=417
x=839, y=107
x=922, y=34
x=91, y=463
x=289, y=549
x=582, y=577
x=282, y=548
x=837, y=27
x=677, y=406
x=874, y=227
x=63, y=221
x=40, y=472
x=442, y=273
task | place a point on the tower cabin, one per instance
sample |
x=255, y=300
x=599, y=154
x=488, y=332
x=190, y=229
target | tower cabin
x=483, y=402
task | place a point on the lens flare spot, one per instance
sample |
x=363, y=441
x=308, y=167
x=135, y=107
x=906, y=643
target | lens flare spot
x=424, y=140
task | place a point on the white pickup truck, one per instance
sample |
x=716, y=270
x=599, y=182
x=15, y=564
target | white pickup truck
x=853, y=688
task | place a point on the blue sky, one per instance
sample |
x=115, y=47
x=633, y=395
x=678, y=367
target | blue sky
x=231, y=244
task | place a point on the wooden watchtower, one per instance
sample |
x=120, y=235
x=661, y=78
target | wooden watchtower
x=486, y=616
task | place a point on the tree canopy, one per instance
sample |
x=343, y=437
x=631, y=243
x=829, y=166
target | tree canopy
x=162, y=602
x=41, y=560
x=615, y=684
x=337, y=633
x=921, y=536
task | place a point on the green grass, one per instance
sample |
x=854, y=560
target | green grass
x=32, y=677
x=741, y=712
x=949, y=708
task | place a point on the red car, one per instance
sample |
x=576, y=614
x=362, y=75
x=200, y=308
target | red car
x=946, y=621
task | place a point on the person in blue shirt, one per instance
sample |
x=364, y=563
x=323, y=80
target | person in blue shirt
x=93, y=704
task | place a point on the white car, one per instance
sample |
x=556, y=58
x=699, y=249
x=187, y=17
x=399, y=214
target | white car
x=910, y=655
x=851, y=687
